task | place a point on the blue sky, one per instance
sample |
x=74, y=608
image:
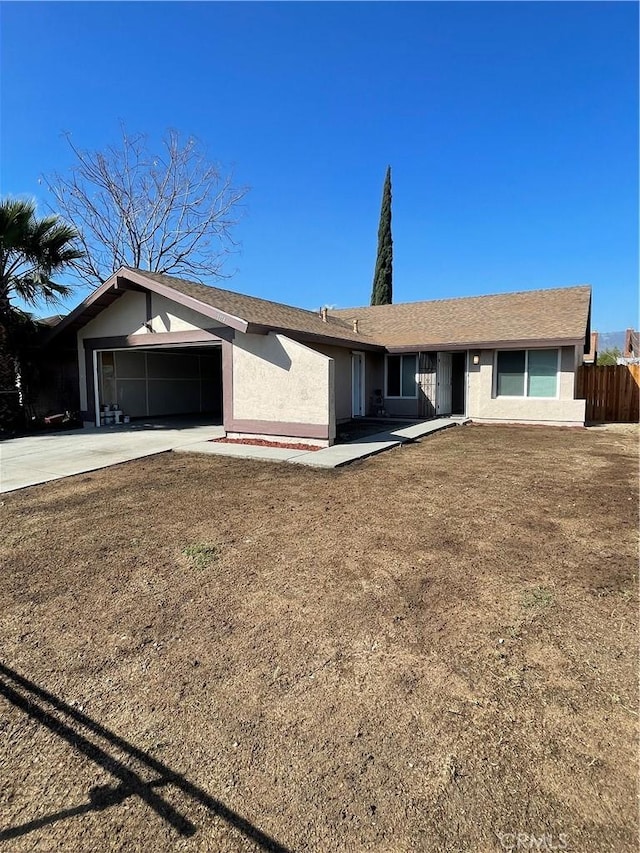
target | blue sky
x=511, y=130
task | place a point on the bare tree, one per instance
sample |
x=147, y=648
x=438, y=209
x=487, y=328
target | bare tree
x=168, y=213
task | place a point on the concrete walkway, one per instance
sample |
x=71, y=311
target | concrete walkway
x=246, y=451
x=328, y=457
x=39, y=458
x=342, y=454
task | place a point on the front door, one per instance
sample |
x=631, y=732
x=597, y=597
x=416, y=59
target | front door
x=357, y=385
x=443, y=384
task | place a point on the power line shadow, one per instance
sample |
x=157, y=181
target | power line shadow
x=130, y=783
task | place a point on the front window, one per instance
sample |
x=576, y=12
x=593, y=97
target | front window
x=527, y=373
x=401, y=375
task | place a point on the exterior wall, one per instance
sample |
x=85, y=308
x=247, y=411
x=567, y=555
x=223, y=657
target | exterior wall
x=168, y=316
x=342, y=376
x=279, y=387
x=482, y=405
x=284, y=439
x=125, y=316
x=374, y=379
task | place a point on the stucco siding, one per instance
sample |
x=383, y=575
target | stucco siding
x=126, y=316
x=169, y=316
x=277, y=379
x=342, y=377
x=484, y=405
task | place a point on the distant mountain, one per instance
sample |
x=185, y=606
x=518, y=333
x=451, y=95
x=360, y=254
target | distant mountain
x=610, y=340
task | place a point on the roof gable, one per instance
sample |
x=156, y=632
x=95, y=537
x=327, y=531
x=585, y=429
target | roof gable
x=238, y=311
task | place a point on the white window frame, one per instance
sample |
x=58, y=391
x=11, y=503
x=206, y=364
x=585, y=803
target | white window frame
x=526, y=396
x=402, y=355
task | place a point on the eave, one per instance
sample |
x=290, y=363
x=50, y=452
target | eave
x=313, y=338
x=522, y=343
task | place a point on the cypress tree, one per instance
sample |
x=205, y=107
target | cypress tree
x=382, y=291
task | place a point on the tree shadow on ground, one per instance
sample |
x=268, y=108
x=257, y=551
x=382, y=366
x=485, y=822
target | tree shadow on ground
x=32, y=700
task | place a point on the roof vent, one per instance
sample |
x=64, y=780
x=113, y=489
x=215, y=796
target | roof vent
x=355, y=325
x=323, y=313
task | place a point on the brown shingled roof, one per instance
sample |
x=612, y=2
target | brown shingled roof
x=561, y=314
x=534, y=315
x=592, y=356
x=631, y=344
x=261, y=312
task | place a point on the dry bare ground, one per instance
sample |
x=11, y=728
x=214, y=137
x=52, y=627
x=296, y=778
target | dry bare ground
x=431, y=650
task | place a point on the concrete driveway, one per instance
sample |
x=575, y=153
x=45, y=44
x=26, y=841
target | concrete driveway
x=37, y=459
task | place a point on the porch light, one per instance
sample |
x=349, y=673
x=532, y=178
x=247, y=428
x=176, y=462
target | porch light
x=476, y=358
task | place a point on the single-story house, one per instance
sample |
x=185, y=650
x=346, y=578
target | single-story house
x=155, y=345
x=631, y=351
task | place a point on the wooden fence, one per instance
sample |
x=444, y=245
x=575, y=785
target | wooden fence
x=612, y=392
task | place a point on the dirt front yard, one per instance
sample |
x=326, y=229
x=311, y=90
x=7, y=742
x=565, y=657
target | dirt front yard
x=433, y=650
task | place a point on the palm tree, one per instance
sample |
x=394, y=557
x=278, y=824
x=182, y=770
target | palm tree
x=32, y=250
